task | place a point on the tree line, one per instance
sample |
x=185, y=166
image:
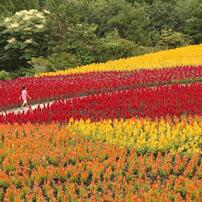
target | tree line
x=79, y=32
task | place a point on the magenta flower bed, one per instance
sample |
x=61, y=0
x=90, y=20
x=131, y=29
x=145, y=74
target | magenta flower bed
x=52, y=88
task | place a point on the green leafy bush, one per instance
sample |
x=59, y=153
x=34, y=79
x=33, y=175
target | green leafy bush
x=4, y=75
x=23, y=36
x=171, y=39
x=62, y=60
x=40, y=64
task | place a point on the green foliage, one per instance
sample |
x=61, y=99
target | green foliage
x=193, y=25
x=56, y=61
x=4, y=75
x=23, y=72
x=12, y=6
x=140, y=50
x=81, y=32
x=113, y=47
x=23, y=36
x=40, y=64
x=62, y=60
x=161, y=15
x=93, y=32
x=171, y=39
x=184, y=16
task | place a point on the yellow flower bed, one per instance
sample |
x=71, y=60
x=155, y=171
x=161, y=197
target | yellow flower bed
x=181, y=134
x=190, y=55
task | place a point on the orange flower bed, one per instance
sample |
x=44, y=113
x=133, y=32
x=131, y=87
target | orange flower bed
x=72, y=167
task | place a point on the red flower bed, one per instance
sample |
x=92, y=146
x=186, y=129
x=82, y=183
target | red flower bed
x=151, y=102
x=52, y=88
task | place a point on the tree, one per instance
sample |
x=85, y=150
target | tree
x=113, y=47
x=12, y=6
x=89, y=32
x=23, y=36
x=161, y=16
x=82, y=32
x=130, y=20
x=193, y=25
x=168, y=39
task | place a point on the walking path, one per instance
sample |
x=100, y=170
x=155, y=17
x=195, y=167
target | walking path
x=24, y=109
x=20, y=110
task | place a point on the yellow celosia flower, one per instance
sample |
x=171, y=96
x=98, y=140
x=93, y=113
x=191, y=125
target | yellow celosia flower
x=190, y=55
x=144, y=133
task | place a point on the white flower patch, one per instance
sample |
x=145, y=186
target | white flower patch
x=39, y=26
x=28, y=28
x=28, y=41
x=39, y=15
x=46, y=11
x=13, y=25
x=27, y=17
x=7, y=20
x=12, y=40
x=18, y=13
x=32, y=11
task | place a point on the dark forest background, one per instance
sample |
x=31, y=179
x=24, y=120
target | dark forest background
x=79, y=32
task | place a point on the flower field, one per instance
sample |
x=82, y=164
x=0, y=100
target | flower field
x=132, y=135
x=67, y=166
x=43, y=89
x=151, y=102
x=185, y=56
